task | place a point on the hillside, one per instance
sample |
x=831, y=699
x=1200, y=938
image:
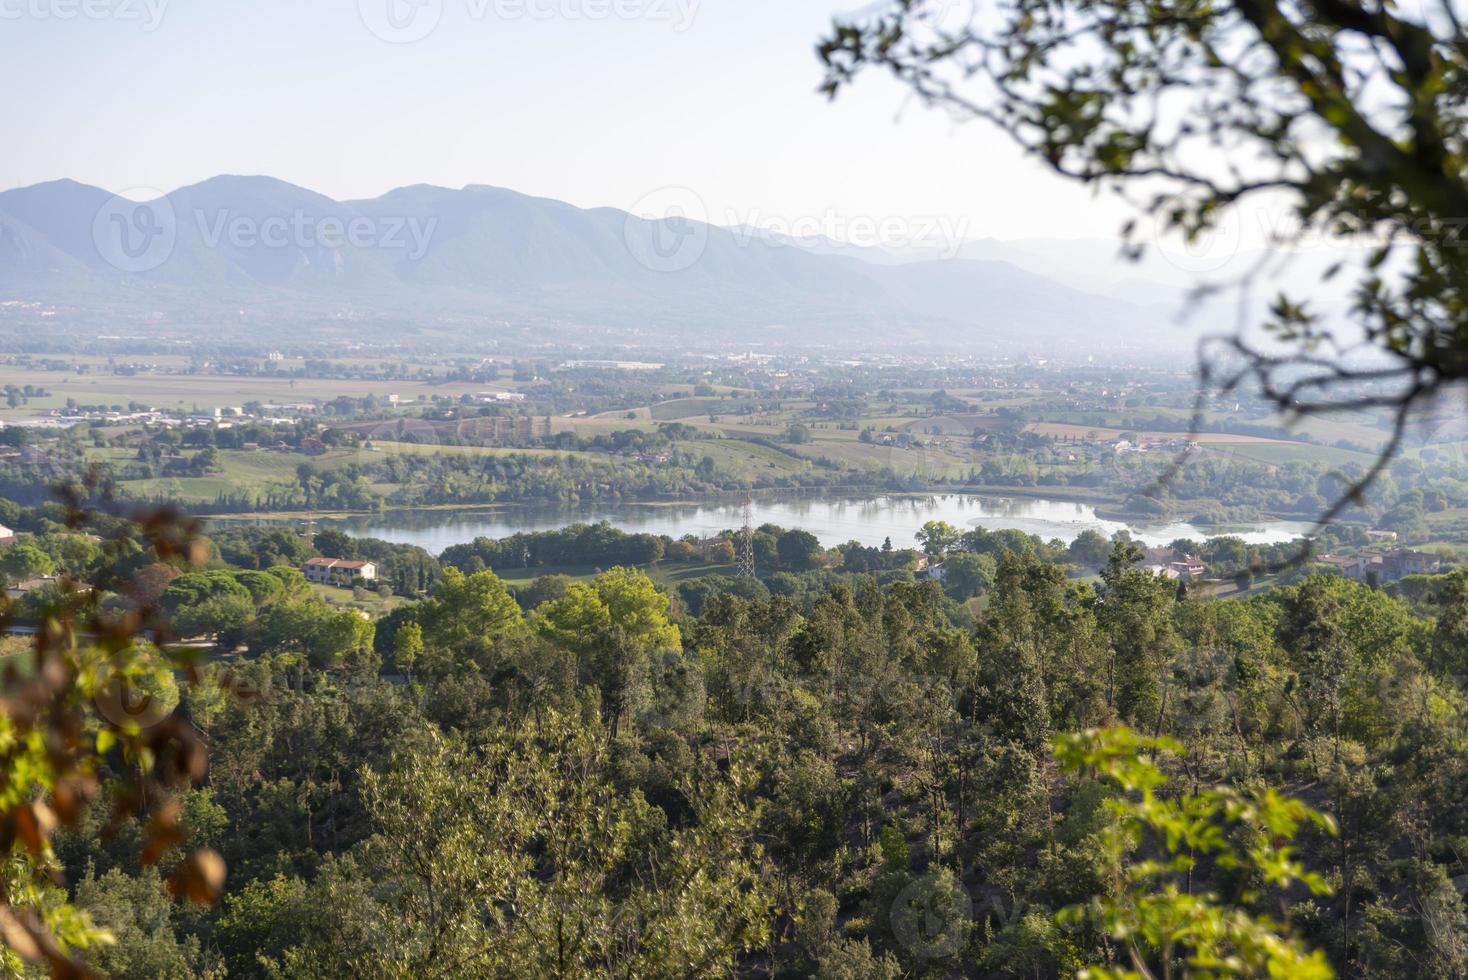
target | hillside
x=474, y=260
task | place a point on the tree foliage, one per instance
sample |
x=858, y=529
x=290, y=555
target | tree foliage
x=1346, y=117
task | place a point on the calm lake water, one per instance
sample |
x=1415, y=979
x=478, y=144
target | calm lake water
x=835, y=521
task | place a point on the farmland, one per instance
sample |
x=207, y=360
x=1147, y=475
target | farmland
x=425, y=432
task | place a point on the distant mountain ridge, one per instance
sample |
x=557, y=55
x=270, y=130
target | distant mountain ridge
x=431, y=255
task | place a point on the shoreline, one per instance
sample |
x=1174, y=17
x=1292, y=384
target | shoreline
x=1105, y=506
x=1065, y=494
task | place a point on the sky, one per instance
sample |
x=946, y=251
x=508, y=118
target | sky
x=594, y=102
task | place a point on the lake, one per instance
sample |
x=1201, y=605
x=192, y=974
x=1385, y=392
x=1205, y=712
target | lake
x=869, y=520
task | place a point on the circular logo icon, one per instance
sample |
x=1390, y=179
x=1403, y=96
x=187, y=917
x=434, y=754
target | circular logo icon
x=667, y=231
x=136, y=231
x=1200, y=687
x=951, y=14
x=123, y=701
x=931, y=916
x=401, y=21
x=1209, y=250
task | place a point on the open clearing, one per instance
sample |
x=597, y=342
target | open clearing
x=206, y=391
x=1068, y=430
x=1294, y=452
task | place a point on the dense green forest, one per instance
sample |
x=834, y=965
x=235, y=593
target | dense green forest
x=856, y=780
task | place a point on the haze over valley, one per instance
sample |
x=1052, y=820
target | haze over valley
x=475, y=260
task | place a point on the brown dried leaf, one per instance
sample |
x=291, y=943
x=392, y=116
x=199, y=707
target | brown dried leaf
x=33, y=825
x=200, y=879
x=17, y=936
x=162, y=833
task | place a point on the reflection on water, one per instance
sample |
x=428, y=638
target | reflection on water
x=837, y=520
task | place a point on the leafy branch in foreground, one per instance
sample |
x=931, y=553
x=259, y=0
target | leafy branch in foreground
x=78, y=716
x=1161, y=925
x=1348, y=115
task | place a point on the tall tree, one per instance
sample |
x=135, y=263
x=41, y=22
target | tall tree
x=1135, y=610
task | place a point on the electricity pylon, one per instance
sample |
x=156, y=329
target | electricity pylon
x=746, y=539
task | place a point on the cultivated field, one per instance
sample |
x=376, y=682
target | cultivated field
x=1066, y=430
x=204, y=391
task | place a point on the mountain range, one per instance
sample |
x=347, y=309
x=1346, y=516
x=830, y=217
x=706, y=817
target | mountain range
x=474, y=259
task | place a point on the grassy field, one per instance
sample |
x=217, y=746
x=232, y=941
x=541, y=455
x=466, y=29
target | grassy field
x=929, y=462
x=1358, y=428
x=1296, y=452
x=1451, y=523
x=687, y=408
x=254, y=471
x=373, y=605
x=590, y=426
x=950, y=458
x=420, y=449
x=240, y=471
x=745, y=460
x=736, y=455
x=1069, y=430
x=16, y=648
x=176, y=390
x=664, y=573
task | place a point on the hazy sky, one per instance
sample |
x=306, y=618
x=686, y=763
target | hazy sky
x=596, y=102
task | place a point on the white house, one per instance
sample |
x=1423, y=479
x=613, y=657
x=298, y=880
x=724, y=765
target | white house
x=339, y=571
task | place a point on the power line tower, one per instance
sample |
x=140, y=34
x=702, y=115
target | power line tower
x=746, y=539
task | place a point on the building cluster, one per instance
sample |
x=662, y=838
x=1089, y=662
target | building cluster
x=1173, y=564
x=19, y=590
x=1172, y=445
x=611, y=365
x=222, y=417
x=1390, y=566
